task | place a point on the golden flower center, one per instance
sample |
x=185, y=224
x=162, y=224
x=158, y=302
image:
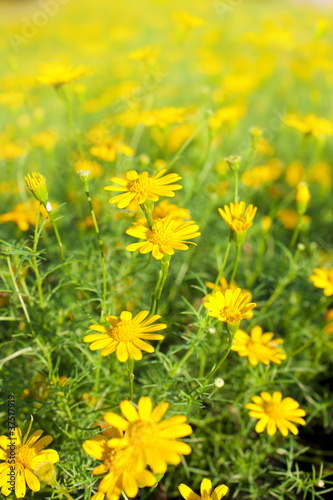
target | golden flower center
x=160, y=236
x=110, y=457
x=24, y=455
x=142, y=185
x=230, y=313
x=125, y=331
x=273, y=410
x=141, y=432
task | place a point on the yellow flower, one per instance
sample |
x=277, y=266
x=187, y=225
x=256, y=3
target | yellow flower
x=186, y=21
x=57, y=74
x=262, y=173
x=322, y=173
x=163, y=117
x=94, y=168
x=165, y=235
x=275, y=413
x=123, y=472
x=230, y=307
x=223, y=287
x=29, y=454
x=141, y=187
x=289, y=218
x=44, y=139
x=323, y=278
x=165, y=208
x=11, y=151
x=13, y=99
x=310, y=124
x=24, y=214
x=238, y=219
x=152, y=442
x=295, y=173
x=46, y=472
x=205, y=491
x=36, y=182
x=258, y=346
x=227, y=114
x=125, y=336
x=147, y=54
x=263, y=147
x=302, y=197
x=179, y=135
x=109, y=149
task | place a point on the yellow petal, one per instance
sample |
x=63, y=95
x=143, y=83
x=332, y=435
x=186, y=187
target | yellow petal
x=129, y=411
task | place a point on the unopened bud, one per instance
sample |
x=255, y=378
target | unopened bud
x=84, y=176
x=302, y=197
x=219, y=382
x=36, y=182
x=234, y=162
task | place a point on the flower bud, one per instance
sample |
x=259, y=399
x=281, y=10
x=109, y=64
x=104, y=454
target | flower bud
x=234, y=162
x=84, y=176
x=302, y=197
x=219, y=382
x=36, y=182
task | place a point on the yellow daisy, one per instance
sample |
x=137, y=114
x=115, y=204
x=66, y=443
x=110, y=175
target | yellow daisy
x=205, y=491
x=235, y=217
x=223, y=286
x=36, y=182
x=123, y=473
x=29, y=454
x=258, y=346
x=229, y=307
x=58, y=74
x=152, y=442
x=141, y=187
x=275, y=413
x=125, y=335
x=323, y=278
x=165, y=235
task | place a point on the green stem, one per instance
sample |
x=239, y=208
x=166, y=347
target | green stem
x=236, y=178
x=26, y=314
x=296, y=232
x=130, y=369
x=165, y=263
x=35, y=266
x=100, y=243
x=63, y=491
x=223, y=264
x=218, y=366
x=234, y=271
x=61, y=249
x=148, y=211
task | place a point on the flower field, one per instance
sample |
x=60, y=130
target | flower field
x=166, y=225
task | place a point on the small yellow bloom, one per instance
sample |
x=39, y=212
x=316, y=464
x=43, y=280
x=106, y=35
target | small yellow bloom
x=266, y=223
x=168, y=115
x=302, y=197
x=30, y=453
x=94, y=168
x=258, y=346
x=44, y=139
x=234, y=216
x=179, y=135
x=146, y=55
x=230, y=307
x=36, y=182
x=46, y=472
x=295, y=173
x=275, y=413
x=165, y=236
x=289, y=218
x=57, y=74
x=10, y=151
x=323, y=278
x=186, y=20
x=109, y=149
x=24, y=214
x=310, y=124
x=151, y=441
x=165, y=208
x=205, y=491
x=125, y=335
x=322, y=173
x=223, y=287
x=141, y=187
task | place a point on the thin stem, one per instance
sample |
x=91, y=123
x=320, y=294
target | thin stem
x=26, y=314
x=148, y=211
x=63, y=491
x=130, y=369
x=218, y=366
x=234, y=271
x=165, y=263
x=236, y=178
x=100, y=243
x=61, y=249
x=296, y=232
x=35, y=266
x=223, y=264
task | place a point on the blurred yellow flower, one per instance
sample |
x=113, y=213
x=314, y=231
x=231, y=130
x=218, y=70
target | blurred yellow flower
x=230, y=306
x=227, y=114
x=152, y=442
x=11, y=151
x=258, y=346
x=109, y=149
x=179, y=135
x=141, y=187
x=323, y=278
x=94, y=168
x=205, y=491
x=186, y=20
x=238, y=219
x=329, y=320
x=44, y=139
x=263, y=147
x=295, y=173
x=289, y=218
x=29, y=454
x=165, y=208
x=24, y=214
x=125, y=335
x=322, y=173
x=263, y=173
x=163, y=117
x=275, y=413
x=12, y=99
x=310, y=124
x=165, y=236
x=147, y=54
x=58, y=74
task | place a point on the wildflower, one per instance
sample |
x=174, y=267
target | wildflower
x=36, y=182
x=141, y=187
x=222, y=286
x=275, y=413
x=238, y=219
x=30, y=453
x=322, y=173
x=205, y=490
x=46, y=472
x=219, y=382
x=13, y=99
x=310, y=125
x=262, y=174
x=125, y=336
x=152, y=442
x=165, y=235
x=123, y=473
x=108, y=149
x=329, y=321
x=258, y=346
x=230, y=307
x=23, y=214
x=94, y=168
x=323, y=278
x=45, y=139
x=179, y=135
x=234, y=162
x=168, y=115
x=263, y=147
x=227, y=114
x=57, y=74
x=186, y=21
x=302, y=197
x=165, y=208
x=10, y=151
x=289, y=218
x=146, y=55
x=266, y=223
x=295, y=173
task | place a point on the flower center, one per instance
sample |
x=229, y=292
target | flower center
x=273, y=410
x=140, y=186
x=24, y=455
x=230, y=314
x=125, y=331
x=141, y=432
x=110, y=457
x=160, y=236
